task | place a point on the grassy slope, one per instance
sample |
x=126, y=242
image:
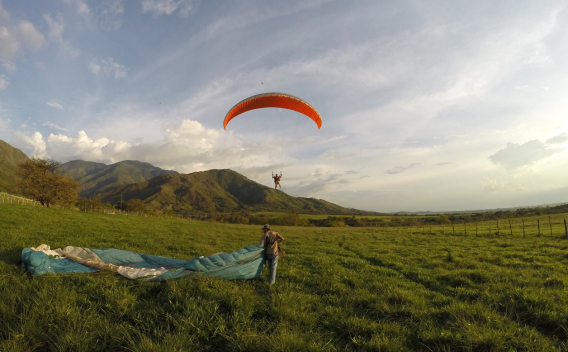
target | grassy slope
x=217, y=190
x=96, y=178
x=77, y=169
x=337, y=289
x=10, y=158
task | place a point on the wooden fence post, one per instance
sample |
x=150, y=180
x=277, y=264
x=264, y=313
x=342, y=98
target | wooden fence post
x=464, y=229
x=550, y=223
x=538, y=222
x=453, y=229
x=430, y=229
x=475, y=229
x=510, y=227
x=498, y=230
x=422, y=228
x=565, y=228
x=523, y=220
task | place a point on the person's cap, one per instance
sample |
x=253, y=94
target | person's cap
x=266, y=226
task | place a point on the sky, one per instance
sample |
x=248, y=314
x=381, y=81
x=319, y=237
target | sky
x=437, y=105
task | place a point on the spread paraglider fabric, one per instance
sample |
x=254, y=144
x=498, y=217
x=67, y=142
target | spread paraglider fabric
x=245, y=263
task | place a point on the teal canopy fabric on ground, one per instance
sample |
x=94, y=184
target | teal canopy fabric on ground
x=245, y=263
x=39, y=263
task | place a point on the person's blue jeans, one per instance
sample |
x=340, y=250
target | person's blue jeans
x=272, y=260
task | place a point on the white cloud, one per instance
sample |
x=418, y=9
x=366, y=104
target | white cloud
x=54, y=105
x=319, y=172
x=54, y=126
x=9, y=66
x=561, y=138
x=515, y=156
x=110, y=15
x=3, y=82
x=9, y=44
x=524, y=87
x=231, y=23
x=30, y=36
x=94, y=68
x=338, y=154
x=64, y=147
x=4, y=123
x=321, y=180
x=537, y=55
x=399, y=169
x=168, y=7
x=492, y=185
x=109, y=67
x=56, y=26
x=34, y=145
x=185, y=147
x=258, y=13
x=469, y=73
x=4, y=15
x=105, y=14
x=531, y=89
x=80, y=5
x=12, y=38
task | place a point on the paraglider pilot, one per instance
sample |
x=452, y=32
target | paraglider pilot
x=272, y=251
x=277, y=180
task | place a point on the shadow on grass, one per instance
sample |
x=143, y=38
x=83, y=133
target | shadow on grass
x=12, y=256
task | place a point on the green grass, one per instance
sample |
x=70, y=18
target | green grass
x=338, y=289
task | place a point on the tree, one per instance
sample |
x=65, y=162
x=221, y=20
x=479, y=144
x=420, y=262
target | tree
x=42, y=180
x=443, y=219
x=136, y=206
x=87, y=204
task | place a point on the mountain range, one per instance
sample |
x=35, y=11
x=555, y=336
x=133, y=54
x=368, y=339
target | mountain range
x=206, y=191
x=97, y=178
x=217, y=191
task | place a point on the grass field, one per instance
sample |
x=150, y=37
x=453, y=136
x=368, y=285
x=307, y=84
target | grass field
x=338, y=289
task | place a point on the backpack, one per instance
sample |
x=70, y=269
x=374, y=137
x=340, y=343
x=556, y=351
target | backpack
x=268, y=241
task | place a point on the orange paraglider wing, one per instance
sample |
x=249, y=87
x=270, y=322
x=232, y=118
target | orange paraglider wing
x=273, y=100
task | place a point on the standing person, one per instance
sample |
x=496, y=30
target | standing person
x=270, y=239
x=277, y=180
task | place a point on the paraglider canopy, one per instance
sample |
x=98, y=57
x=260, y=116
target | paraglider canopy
x=273, y=100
